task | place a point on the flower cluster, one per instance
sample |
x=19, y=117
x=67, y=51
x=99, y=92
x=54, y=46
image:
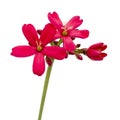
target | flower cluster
x=56, y=41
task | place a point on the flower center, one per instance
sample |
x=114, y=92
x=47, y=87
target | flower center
x=39, y=47
x=64, y=33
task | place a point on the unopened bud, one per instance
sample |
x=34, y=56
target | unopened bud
x=78, y=56
x=39, y=32
x=78, y=45
x=48, y=61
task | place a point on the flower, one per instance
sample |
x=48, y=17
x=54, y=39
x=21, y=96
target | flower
x=68, y=31
x=37, y=46
x=94, y=52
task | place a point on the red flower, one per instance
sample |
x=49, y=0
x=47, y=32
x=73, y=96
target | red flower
x=37, y=46
x=94, y=52
x=68, y=31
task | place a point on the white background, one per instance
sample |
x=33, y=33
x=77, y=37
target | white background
x=78, y=90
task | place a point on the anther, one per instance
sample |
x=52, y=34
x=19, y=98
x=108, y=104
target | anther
x=64, y=33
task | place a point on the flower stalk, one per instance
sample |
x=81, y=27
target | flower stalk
x=49, y=69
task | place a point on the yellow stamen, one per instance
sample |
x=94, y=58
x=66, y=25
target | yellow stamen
x=39, y=47
x=64, y=33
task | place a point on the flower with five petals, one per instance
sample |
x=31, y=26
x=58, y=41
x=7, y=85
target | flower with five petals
x=68, y=31
x=37, y=46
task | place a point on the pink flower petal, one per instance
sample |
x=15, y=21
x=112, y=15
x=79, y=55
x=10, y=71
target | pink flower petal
x=38, y=64
x=103, y=54
x=73, y=23
x=57, y=35
x=79, y=33
x=97, y=58
x=30, y=33
x=96, y=46
x=68, y=44
x=47, y=35
x=23, y=51
x=55, y=20
x=55, y=52
x=95, y=54
x=103, y=47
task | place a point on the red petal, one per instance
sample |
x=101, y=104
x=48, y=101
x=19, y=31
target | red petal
x=23, y=51
x=38, y=64
x=79, y=33
x=57, y=35
x=96, y=46
x=68, y=44
x=103, y=54
x=103, y=47
x=47, y=34
x=55, y=20
x=30, y=33
x=95, y=55
x=55, y=52
x=98, y=58
x=73, y=23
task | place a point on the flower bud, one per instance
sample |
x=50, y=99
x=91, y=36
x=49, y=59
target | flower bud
x=94, y=52
x=48, y=60
x=39, y=32
x=78, y=56
x=78, y=45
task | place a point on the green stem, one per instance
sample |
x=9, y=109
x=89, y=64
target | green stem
x=45, y=90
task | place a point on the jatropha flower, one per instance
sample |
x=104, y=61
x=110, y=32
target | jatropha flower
x=37, y=46
x=68, y=31
x=94, y=52
x=43, y=51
